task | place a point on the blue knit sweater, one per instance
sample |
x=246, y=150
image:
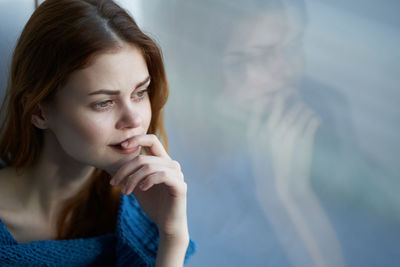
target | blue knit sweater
x=134, y=243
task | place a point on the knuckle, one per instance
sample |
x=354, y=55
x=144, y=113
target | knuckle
x=162, y=173
x=184, y=187
x=150, y=176
x=176, y=164
x=147, y=167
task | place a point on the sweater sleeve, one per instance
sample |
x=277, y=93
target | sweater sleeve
x=137, y=236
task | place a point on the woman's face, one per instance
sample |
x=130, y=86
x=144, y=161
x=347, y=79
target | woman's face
x=264, y=57
x=101, y=106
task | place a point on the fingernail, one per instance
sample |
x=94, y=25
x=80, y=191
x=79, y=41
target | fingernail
x=124, y=190
x=113, y=182
x=125, y=144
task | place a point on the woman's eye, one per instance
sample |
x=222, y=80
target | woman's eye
x=103, y=105
x=107, y=104
x=140, y=94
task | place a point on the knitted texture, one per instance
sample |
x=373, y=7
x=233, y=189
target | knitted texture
x=134, y=243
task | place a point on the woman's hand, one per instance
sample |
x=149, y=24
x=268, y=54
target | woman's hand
x=158, y=185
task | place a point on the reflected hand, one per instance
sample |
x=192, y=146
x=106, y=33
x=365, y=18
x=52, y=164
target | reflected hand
x=287, y=136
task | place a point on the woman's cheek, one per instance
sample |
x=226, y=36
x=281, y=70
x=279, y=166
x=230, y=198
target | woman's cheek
x=147, y=114
x=90, y=141
x=95, y=130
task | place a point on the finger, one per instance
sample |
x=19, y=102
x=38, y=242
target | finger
x=255, y=121
x=303, y=121
x=150, y=141
x=294, y=113
x=277, y=108
x=296, y=129
x=133, y=179
x=136, y=163
x=167, y=177
x=312, y=126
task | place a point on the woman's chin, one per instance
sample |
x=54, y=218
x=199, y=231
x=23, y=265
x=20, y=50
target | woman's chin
x=113, y=167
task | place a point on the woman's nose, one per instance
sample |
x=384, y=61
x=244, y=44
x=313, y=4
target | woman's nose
x=129, y=118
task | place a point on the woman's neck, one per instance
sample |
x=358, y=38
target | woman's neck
x=54, y=178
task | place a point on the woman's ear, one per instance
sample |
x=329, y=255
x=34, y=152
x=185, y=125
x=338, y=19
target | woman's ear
x=38, y=117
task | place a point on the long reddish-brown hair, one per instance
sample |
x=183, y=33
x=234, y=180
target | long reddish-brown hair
x=60, y=37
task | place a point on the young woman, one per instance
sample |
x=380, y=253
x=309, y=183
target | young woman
x=87, y=179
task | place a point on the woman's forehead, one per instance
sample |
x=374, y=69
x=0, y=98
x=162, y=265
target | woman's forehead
x=115, y=70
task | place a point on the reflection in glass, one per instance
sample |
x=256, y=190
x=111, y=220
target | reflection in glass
x=265, y=117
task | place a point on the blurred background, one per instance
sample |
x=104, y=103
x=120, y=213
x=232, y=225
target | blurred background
x=284, y=116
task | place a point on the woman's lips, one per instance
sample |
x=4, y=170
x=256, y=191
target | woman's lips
x=122, y=150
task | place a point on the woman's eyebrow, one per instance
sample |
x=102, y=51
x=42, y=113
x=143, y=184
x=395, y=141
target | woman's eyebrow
x=116, y=92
